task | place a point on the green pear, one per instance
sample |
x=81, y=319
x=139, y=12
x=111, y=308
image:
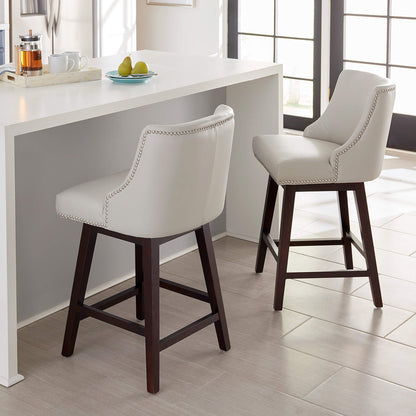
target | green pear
x=140, y=68
x=125, y=67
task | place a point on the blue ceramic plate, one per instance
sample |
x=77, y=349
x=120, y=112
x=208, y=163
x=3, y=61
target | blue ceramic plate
x=131, y=79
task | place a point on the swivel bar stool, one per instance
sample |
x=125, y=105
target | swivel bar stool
x=176, y=185
x=339, y=152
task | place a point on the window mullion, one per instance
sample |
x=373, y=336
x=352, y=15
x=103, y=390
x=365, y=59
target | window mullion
x=388, y=45
x=274, y=30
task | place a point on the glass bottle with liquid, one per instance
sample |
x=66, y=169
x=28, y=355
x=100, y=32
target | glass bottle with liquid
x=31, y=54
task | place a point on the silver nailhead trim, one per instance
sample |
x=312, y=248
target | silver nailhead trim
x=139, y=156
x=364, y=128
x=79, y=219
x=136, y=165
x=352, y=144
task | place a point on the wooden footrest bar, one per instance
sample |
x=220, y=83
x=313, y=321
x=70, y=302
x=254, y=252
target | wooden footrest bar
x=109, y=318
x=273, y=245
x=333, y=273
x=357, y=243
x=117, y=298
x=164, y=283
x=315, y=242
x=184, y=290
x=188, y=330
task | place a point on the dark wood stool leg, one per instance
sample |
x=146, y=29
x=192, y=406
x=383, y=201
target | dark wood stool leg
x=367, y=239
x=138, y=255
x=151, y=311
x=284, y=245
x=209, y=266
x=345, y=228
x=266, y=224
x=82, y=271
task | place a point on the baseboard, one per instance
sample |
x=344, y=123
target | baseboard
x=110, y=284
x=242, y=237
x=12, y=381
x=65, y=304
x=399, y=152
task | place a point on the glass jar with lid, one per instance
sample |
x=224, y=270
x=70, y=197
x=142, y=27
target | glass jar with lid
x=31, y=54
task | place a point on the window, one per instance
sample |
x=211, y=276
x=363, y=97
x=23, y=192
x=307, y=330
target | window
x=376, y=36
x=265, y=30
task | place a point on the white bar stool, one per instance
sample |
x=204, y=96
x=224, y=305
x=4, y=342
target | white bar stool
x=176, y=185
x=339, y=152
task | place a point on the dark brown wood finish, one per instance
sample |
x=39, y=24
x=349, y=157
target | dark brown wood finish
x=146, y=291
x=345, y=228
x=284, y=240
x=117, y=298
x=184, y=290
x=266, y=224
x=280, y=248
x=82, y=271
x=209, y=266
x=138, y=260
x=151, y=310
x=188, y=330
x=367, y=239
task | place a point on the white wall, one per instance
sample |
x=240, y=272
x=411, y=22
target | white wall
x=195, y=30
x=3, y=5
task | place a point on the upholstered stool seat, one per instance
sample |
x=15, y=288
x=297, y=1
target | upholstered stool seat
x=296, y=160
x=176, y=185
x=338, y=152
x=87, y=202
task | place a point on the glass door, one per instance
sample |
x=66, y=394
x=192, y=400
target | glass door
x=377, y=36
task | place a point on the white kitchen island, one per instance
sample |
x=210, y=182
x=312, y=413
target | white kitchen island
x=57, y=136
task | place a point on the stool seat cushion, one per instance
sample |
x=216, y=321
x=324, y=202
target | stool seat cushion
x=176, y=183
x=292, y=160
x=86, y=202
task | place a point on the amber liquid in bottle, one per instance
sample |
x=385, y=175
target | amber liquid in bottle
x=31, y=61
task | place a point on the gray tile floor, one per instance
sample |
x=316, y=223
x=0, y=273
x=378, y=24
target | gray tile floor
x=329, y=352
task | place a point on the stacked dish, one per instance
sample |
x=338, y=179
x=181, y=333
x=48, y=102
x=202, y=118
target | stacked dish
x=133, y=78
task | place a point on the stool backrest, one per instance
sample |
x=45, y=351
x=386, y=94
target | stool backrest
x=357, y=118
x=178, y=178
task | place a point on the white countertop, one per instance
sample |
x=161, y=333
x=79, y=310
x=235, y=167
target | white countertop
x=30, y=109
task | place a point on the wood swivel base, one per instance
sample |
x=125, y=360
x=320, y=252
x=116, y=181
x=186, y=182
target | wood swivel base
x=146, y=291
x=280, y=248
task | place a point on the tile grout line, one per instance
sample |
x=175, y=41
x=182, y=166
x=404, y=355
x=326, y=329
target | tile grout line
x=297, y=326
x=389, y=333
x=384, y=304
x=389, y=221
x=324, y=381
x=314, y=404
x=358, y=330
x=350, y=368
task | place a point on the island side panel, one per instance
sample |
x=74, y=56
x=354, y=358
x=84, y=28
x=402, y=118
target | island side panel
x=8, y=322
x=258, y=110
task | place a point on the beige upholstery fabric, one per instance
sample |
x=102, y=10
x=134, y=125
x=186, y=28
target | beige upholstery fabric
x=177, y=182
x=346, y=144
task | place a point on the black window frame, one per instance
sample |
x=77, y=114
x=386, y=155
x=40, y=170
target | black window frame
x=290, y=121
x=403, y=126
